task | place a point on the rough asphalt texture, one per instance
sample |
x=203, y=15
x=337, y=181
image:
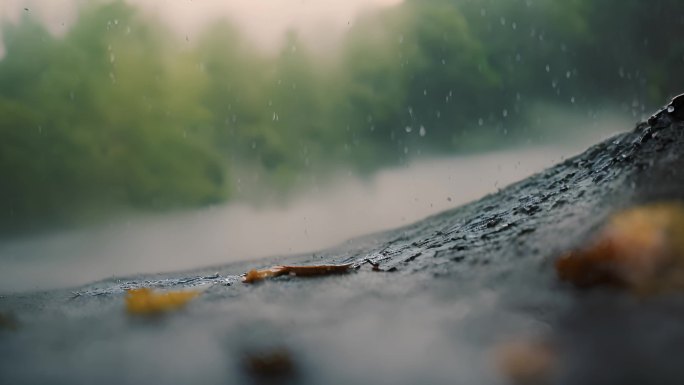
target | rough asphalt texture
x=453, y=288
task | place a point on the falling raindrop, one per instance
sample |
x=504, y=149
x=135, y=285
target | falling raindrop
x=422, y=132
x=408, y=129
x=480, y=122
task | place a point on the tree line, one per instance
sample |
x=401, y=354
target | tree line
x=118, y=114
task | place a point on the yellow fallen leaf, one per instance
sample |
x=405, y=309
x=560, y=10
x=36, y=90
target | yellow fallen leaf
x=146, y=301
x=641, y=249
x=300, y=271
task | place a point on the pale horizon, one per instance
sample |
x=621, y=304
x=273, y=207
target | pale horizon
x=320, y=24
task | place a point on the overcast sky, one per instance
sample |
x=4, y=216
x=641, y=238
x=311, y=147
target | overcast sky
x=320, y=22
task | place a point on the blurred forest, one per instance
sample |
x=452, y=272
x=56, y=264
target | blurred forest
x=119, y=114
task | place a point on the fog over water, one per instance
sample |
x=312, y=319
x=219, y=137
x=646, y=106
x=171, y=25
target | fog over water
x=346, y=208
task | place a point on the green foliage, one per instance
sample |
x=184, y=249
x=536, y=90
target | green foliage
x=100, y=119
x=118, y=114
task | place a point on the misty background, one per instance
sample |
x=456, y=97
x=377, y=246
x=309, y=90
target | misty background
x=146, y=136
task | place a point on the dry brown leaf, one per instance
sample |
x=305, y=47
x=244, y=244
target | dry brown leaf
x=274, y=364
x=299, y=271
x=8, y=322
x=641, y=249
x=146, y=301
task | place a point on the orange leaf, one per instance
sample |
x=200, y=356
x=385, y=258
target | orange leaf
x=526, y=362
x=641, y=249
